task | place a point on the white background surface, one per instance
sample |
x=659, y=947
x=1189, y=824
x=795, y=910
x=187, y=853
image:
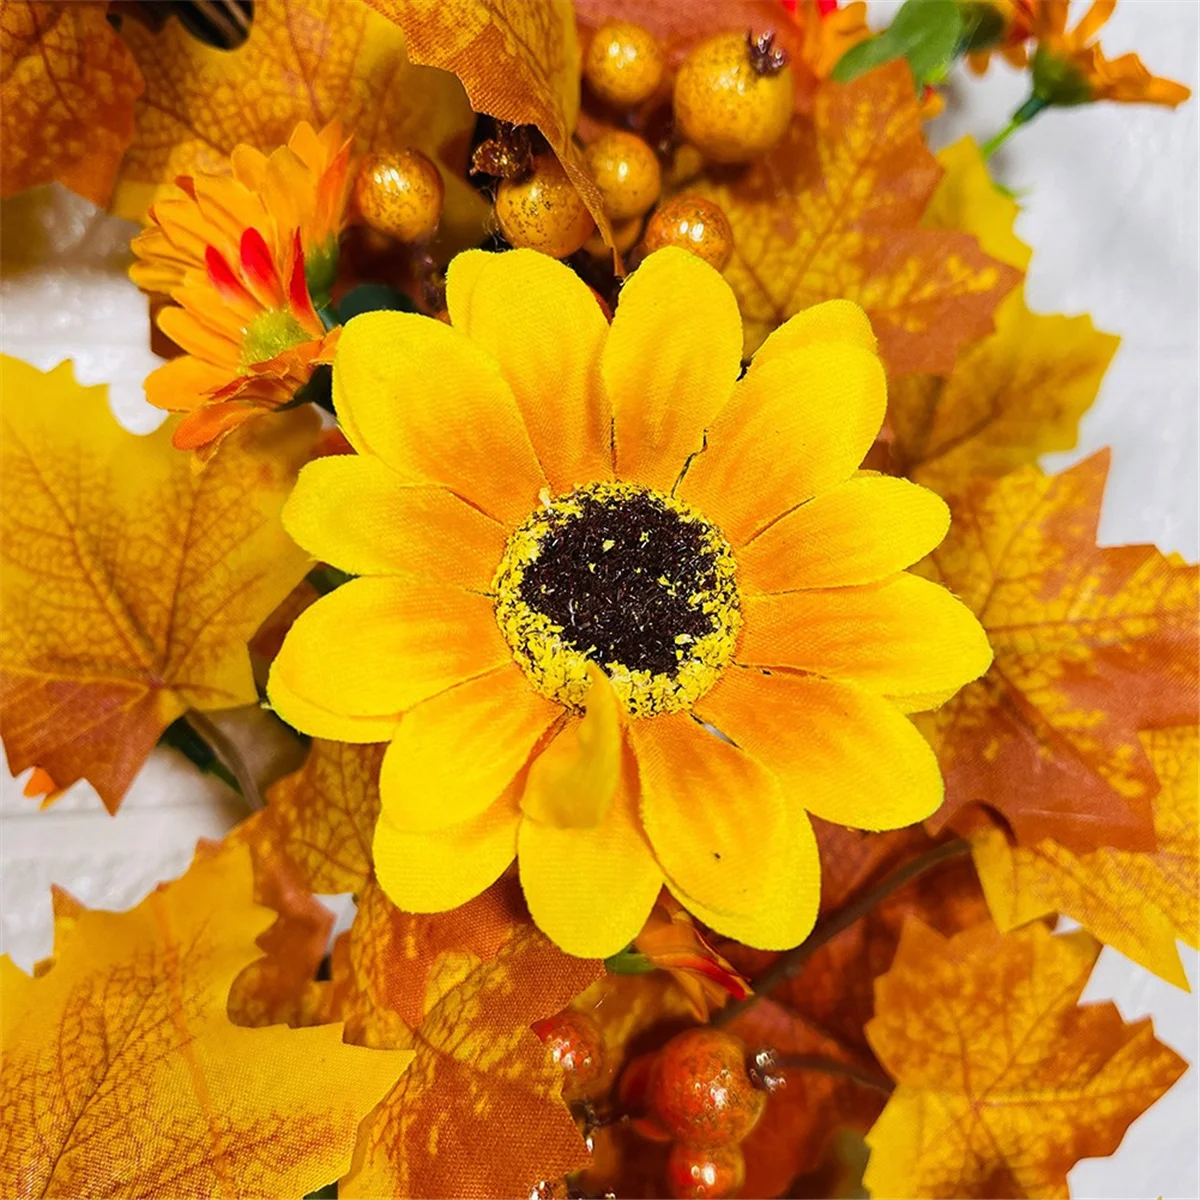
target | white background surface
x=1110, y=208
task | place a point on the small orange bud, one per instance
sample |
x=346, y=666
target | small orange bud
x=400, y=194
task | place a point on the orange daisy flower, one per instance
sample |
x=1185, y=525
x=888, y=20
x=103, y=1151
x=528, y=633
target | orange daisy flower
x=247, y=258
x=829, y=31
x=1070, y=67
x=1004, y=28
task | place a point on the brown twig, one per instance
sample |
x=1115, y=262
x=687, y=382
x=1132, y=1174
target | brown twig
x=831, y=1066
x=789, y=963
x=230, y=755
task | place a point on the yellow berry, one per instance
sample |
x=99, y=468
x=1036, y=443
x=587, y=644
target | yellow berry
x=694, y=224
x=627, y=173
x=543, y=210
x=624, y=63
x=400, y=194
x=625, y=237
x=733, y=97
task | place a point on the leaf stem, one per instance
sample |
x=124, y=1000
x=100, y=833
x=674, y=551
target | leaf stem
x=831, y=1066
x=230, y=755
x=790, y=962
x=1022, y=116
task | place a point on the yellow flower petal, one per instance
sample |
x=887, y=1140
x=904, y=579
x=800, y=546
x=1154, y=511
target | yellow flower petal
x=840, y=752
x=790, y=891
x=716, y=818
x=571, y=783
x=456, y=753
x=900, y=636
x=378, y=646
x=545, y=328
x=858, y=532
x=318, y=721
x=591, y=890
x=184, y=383
x=352, y=511
x=670, y=362
x=833, y=321
x=435, y=872
x=434, y=406
x=794, y=428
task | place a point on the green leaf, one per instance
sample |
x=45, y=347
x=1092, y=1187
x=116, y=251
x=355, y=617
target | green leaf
x=928, y=34
x=372, y=297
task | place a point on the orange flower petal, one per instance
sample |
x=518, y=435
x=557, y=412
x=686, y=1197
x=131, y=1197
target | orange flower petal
x=541, y=322
x=353, y=512
x=838, y=751
x=798, y=425
x=454, y=754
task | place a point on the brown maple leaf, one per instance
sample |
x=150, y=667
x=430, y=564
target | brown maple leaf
x=1004, y=1080
x=835, y=211
x=124, y=1077
x=131, y=583
x=67, y=90
x=1091, y=645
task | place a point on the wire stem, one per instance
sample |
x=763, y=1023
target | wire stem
x=790, y=962
x=230, y=755
x=831, y=1066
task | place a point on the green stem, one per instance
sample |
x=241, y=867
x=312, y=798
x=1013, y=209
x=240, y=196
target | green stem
x=826, y=929
x=1022, y=116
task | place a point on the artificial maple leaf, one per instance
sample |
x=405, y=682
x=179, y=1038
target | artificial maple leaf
x=823, y=1008
x=124, y=1077
x=67, y=90
x=1004, y=1081
x=519, y=62
x=131, y=583
x=459, y=1123
x=1015, y=394
x=323, y=816
x=1138, y=903
x=835, y=210
x=305, y=60
x=277, y=988
x=1091, y=645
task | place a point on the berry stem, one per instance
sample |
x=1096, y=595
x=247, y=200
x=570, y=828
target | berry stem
x=831, y=1066
x=789, y=963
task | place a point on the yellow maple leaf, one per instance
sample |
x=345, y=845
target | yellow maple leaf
x=1138, y=903
x=124, y=1077
x=67, y=90
x=1011, y=396
x=835, y=211
x=1004, y=1080
x=518, y=61
x=131, y=583
x=305, y=60
x=1091, y=646
x=461, y=990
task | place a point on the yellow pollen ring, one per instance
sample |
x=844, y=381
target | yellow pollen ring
x=558, y=668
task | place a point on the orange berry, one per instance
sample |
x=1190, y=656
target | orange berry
x=543, y=210
x=625, y=237
x=576, y=1044
x=624, y=63
x=626, y=171
x=733, y=97
x=700, y=1091
x=400, y=194
x=696, y=1173
x=694, y=224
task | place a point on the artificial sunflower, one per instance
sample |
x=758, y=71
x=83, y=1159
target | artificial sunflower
x=620, y=614
x=1069, y=66
x=243, y=256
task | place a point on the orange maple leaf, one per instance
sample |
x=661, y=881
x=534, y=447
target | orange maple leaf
x=305, y=60
x=1005, y=1082
x=67, y=90
x=124, y=1077
x=459, y=1122
x=1091, y=646
x=1137, y=902
x=518, y=61
x=834, y=211
x=1011, y=396
x=131, y=583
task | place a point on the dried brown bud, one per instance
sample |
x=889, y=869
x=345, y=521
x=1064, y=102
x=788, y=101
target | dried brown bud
x=765, y=57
